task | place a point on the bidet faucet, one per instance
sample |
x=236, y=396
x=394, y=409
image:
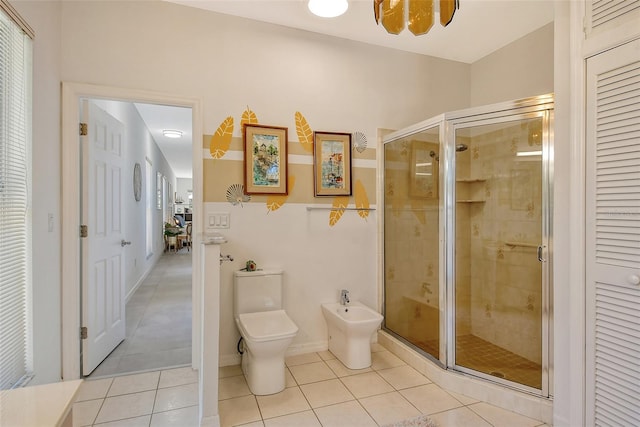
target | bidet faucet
x=344, y=297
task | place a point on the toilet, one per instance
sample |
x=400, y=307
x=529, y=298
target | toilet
x=265, y=327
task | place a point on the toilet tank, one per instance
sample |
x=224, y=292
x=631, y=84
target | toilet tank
x=255, y=291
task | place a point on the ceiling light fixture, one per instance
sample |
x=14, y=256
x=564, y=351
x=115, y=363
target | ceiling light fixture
x=328, y=8
x=420, y=15
x=169, y=133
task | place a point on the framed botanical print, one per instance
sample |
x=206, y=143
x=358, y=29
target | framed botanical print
x=265, y=159
x=332, y=163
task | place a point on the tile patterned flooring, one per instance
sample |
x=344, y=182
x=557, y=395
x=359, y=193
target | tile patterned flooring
x=320, y=391
x=483, y=356
x=158, y=319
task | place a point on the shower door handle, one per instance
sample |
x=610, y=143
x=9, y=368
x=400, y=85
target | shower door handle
x=540, y=254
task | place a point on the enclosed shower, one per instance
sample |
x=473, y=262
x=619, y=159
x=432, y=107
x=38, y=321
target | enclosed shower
x=467, y=256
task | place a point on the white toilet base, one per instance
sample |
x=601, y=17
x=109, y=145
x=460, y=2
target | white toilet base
x=264, y=375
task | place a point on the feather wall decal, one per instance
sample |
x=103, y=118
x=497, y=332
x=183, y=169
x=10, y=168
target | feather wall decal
x=339, y=205
x=275, y=201
x=359, y=141
x=362, y=201
x=248, y=117
x=235, y=194
x=305, y=134
x=221, y=140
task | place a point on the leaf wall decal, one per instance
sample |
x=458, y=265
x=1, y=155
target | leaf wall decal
x=275, y=201
x=362, y=201
x=305, y=134
x=221, y=140
x=248, y=117
x=339, y=205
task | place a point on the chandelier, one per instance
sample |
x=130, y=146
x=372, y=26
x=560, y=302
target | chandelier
x=420, y=14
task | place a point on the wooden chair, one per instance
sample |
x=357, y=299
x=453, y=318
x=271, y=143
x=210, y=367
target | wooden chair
x=187, y=241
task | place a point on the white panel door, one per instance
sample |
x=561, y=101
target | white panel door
x=613, y=237
x=103, y=300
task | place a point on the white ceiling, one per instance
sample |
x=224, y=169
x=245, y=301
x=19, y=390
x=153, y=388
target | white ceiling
x=177, y=151
x=479, y=28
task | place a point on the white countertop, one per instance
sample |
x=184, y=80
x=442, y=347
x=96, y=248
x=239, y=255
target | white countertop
x=36, y=406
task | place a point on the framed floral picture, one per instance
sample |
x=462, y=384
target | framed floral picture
x=332, y=163
x=265, y=159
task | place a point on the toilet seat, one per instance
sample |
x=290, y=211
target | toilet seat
x=266, y=325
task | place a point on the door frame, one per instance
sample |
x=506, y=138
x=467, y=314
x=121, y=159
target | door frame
x=70, y=210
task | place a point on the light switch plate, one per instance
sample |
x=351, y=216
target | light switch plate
x=219, y=220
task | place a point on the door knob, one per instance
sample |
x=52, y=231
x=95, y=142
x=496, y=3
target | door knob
x=634, y=279
x=124, y=243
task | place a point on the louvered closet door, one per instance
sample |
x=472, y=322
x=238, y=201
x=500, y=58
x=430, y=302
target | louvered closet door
x=613, y=237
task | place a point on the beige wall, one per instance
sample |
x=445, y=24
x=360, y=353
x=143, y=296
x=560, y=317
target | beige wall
x=521, y=69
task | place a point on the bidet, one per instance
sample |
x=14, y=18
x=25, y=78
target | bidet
x=350, y=328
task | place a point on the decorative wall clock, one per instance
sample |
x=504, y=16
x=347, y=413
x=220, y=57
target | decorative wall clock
x=137, y=182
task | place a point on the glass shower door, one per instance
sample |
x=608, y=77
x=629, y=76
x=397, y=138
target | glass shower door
x=411, y=239
x=500, y=222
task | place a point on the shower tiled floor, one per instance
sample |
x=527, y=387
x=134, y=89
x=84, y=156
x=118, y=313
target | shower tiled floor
x=480, y=355
x=320, y=391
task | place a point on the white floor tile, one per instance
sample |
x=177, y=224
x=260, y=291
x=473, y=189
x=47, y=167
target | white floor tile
x=93, y=389
x=367, y=384
x=238, y=411
x=311, y=372
x=403, y=377
x=459, y=417
x=126, y=406
x=385, y=360
x=301, y=359
x=178, y=376
x=342, y=371
x=306, y=419
x=389, y=408
x=129, y=422
x=183, y=417
x=350, y=414
x=85, y=413
x=288, y=401
x=499, y=417
x=176, y=397
x=229, y=371
x=326, y=393
x=232, y=387
x=134, y=383
x=430, y=399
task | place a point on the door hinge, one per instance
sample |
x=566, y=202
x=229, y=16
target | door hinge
x=84, y=231
x=83, y=333
x=83, y=129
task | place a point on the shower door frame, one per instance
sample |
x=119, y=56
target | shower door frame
x=539, y=106
x=481, y=116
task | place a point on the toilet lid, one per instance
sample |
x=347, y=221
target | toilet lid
x=267, y=325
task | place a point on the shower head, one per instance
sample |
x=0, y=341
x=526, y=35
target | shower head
x=461, y=147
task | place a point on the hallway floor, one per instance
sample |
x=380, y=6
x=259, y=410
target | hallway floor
x=320, y=391
x=158, y=317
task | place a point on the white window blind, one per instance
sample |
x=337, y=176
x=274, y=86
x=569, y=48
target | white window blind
x=15, y=223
